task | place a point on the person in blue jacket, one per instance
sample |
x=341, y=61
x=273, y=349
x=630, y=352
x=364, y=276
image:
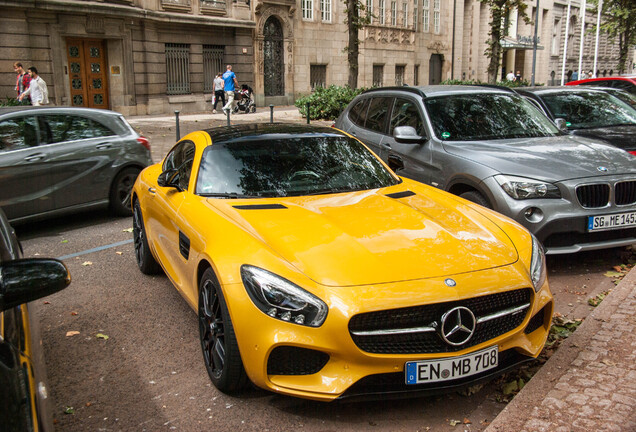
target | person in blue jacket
x=230, y=84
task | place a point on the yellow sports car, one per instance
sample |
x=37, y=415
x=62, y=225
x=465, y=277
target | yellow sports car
x=318, y=273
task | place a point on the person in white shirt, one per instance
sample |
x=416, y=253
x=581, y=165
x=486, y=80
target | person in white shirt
x=219, y=93
x=510, y=76
x=37, y=90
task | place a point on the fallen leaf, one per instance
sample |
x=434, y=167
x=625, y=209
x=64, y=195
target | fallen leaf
x=454, y=422
x=127, y=230
x=72, y=333
x=47, y=302
x=69, y=410
x=119, y=253
x=466, y=421
x=613, y=274
x=88, y=404
x=87, y=263
x=64, y=241
x=101, y=336
x=510, y=388
x=73, y=313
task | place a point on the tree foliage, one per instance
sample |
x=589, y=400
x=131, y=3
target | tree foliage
x=356, y=18
x=326, y=103
x=619, y=21
x=499, y=10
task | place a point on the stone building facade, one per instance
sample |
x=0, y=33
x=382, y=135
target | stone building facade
x=156, y=56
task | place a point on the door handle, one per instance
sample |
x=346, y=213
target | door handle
x=34, y=157
x=152, y=191
x=386, y=146
x=102, y=146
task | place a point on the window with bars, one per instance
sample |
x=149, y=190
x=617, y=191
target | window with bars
x=426, y=15
x=212, y=65
x=399, y=74
x=370, y=10
x=416, y=75
x=325, y=10
x=381, y=13
x=308, y=9
x=378, y=75
x=317, y=76
x=394, y=13
x=177, y=68
x=436, y=15
x=405, y=14
x=415, y=16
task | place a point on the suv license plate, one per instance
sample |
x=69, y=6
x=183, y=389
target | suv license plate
x=605, y=222
x=430, y=371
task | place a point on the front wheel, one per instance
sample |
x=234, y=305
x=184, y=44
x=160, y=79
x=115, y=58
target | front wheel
x=121, y=190
x=218, y=341
x=146, y=262
x=477, y=198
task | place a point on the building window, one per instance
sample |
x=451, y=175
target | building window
x=308, y=9
x=426, y=14
x=381, y=12
x=370, y=11
x=177, y=68
x=394, y=13
x=436, y=15
x=212, y=65
x=378, y=75
x=556, y=26
x=317, y=76
x=405, y=14
x=399, y=75
x=416, y=75
x=325, y=10
x=415, y=16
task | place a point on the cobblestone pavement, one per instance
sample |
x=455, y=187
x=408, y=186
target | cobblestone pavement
x=589, y=384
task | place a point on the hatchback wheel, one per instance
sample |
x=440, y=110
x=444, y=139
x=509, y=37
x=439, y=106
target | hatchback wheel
x=218, y=341
x=121, y=190
x=146, y=262
x=477, y=198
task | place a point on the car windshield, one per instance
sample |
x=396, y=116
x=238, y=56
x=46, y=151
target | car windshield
x=275, y=167
x=589, y=110
x=486, y=116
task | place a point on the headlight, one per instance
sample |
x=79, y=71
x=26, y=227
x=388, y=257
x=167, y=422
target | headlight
x=525, y=188
x=537, y=265
x=281, y=299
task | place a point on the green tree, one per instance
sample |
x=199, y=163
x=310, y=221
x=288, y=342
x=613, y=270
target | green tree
x=619, y=21
x=499, y=10
x=356, y=19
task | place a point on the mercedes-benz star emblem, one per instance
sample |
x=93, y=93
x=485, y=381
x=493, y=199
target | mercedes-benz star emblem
x=450, y=282
x=458, y=326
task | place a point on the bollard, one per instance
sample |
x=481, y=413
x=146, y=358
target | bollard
x=307, y=112
x=271, y=113
x=176, y=113
x=227, y=113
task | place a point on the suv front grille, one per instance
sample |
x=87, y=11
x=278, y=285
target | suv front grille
x=392, y=331
x=594, y=195
x=625, y=192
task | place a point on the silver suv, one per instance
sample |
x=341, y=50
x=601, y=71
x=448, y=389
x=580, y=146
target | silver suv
x=491, y=146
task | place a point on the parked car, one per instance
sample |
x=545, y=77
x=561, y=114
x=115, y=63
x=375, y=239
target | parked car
x=491, y=146
x=24, y=396
x=588, y=112
x=55, y=160
x=627, y=83
x=623, y=95
x=318, y=273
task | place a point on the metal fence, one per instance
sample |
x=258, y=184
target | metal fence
x=177, y=68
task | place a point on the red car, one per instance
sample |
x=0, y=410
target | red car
x=627, y=82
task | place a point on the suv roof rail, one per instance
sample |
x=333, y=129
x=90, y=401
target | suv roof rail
x=494, y=86
x=405, y=88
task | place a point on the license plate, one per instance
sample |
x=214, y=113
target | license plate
x=430, y=371
x=605, y=222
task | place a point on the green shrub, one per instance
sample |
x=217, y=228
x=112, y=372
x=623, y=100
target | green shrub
x=10, y=102
x=326, y=103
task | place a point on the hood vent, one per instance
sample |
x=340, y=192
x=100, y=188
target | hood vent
x=260, y=207
x=402, y=194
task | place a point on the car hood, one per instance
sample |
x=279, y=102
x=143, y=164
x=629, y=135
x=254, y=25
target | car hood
x=368, y=237
x=623, y=137
x=550, y=159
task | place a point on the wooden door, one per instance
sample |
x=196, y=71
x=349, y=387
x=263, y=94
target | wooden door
x=87, y=73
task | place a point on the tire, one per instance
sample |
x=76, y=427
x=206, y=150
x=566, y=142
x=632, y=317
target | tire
x=146, y=262
x=253, y=109
x=477, y=198
x=121, y=190
x=218, y=341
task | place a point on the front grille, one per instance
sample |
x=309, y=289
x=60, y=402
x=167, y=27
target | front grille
x=625, y=192
x=566, y=239
x=426, y=315
x=594, y=195
x=288, y=360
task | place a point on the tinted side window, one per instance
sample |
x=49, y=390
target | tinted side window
x=76, y=128
x=181, y=158
x=18, y=133
x=405, y=113
x=378, y=114
x=357, y=115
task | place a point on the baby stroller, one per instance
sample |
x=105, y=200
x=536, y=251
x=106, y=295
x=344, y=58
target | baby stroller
x=244, y=100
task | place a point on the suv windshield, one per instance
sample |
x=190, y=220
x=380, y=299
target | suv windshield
x=589, y=110
x=305, y=165
x=486, y=116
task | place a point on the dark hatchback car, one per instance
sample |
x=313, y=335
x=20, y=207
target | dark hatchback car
x=588, y=112
x=54, y=160
x=23, y=392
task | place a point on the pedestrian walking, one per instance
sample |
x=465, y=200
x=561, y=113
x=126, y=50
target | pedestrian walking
x=219, y=93
x=518, y=76
x=510, y=76
x=230, y=83
x=37, y=89
x=23, y=80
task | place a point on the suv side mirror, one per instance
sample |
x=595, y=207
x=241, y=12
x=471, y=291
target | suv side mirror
x=25, y=280
x=562, y=124
x=169, y=178
x=407, y=135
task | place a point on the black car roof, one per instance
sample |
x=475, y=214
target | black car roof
x=245, y=132
x=439, y=90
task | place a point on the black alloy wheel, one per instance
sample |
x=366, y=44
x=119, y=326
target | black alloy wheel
x=146, y=262
x=477, y=198
x=121, y=191
x=218, y=341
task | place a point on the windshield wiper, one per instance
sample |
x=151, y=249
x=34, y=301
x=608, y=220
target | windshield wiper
x=231, y=195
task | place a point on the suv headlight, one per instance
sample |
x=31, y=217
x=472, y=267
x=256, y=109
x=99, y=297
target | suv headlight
x=537, y=264
x=281, y=299
x=525, y=188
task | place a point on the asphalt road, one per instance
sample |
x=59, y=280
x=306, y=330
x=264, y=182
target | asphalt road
x=148, y=375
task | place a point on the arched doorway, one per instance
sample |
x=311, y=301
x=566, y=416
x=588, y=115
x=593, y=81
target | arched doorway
x=274, y=62
x=435, y=69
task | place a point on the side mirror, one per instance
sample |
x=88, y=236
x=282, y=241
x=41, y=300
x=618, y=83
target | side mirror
x=25, y=280
x=562, y=124
x=407, y=135
x=169, y=178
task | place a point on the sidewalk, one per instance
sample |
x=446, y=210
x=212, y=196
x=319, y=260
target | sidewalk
x=589, y=384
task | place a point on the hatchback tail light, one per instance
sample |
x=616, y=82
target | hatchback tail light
x=144, y=142
x=633, y=152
